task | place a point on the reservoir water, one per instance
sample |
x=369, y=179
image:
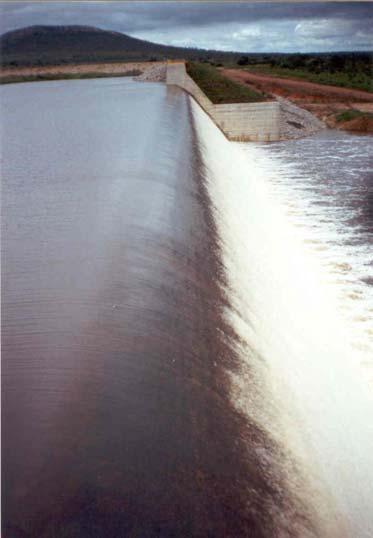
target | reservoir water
x=185, y=332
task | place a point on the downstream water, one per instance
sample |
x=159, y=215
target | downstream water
x=180, y=354
x=325, y=182
x=315, y=357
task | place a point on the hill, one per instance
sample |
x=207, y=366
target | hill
x=47, y=45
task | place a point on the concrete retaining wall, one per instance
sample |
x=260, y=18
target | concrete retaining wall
x=238, y=121
x=177, y=75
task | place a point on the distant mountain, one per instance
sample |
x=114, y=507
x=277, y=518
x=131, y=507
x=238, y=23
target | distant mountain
x=43, y=45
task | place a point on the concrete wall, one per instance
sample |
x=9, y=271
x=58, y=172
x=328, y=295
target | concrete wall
x=177, y=75
x=238, y=121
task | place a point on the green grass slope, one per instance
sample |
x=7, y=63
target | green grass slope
x=218, y=88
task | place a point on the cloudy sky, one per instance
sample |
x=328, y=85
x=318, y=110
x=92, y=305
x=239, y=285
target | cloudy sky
x=241, y=26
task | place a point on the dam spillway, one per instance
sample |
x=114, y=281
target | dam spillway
x=137, y=398
x=117, y=417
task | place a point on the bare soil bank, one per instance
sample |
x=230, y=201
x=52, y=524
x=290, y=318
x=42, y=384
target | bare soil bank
x=363, y=124
x=325, y=102
x=116, y=69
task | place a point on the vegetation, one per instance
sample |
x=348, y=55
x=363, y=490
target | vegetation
x=349, y=70
x=244, y=60
x=349, y=115
x=359, y=81
x=12, y=79
x=218, y=88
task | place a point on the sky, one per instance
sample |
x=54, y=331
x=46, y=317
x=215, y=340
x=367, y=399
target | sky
x=240, y=26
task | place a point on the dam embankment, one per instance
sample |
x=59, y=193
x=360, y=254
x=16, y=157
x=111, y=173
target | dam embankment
x=238, y=121
x=118, y=355
x=268, y=121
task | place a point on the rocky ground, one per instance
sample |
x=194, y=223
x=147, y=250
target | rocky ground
x=297, y=122
x=155, y=73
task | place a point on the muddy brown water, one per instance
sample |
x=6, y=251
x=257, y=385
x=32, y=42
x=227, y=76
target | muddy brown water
x=117, y=415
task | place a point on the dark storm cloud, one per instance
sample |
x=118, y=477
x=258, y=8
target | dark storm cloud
x=140, y=16
x=226, y=25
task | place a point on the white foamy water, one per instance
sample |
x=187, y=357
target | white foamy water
x=326, y=185
x=287, y=298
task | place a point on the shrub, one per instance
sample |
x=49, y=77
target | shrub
x=349, y=115
x=244, y=60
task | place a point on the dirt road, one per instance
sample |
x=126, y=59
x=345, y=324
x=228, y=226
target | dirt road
x=299, y=89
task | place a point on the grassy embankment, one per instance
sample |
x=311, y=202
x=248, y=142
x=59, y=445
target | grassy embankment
x=357, y=80
x=12, y=79
x=355, y=121
x=218, y=88
x=349, y=115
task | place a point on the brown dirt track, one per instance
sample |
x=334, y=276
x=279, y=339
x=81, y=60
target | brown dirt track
x=298, y=89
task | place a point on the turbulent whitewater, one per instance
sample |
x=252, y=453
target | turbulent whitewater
x=295, y=310
x=178, y=358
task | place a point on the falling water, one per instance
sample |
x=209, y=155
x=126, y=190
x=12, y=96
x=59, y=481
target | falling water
x=287, y=308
